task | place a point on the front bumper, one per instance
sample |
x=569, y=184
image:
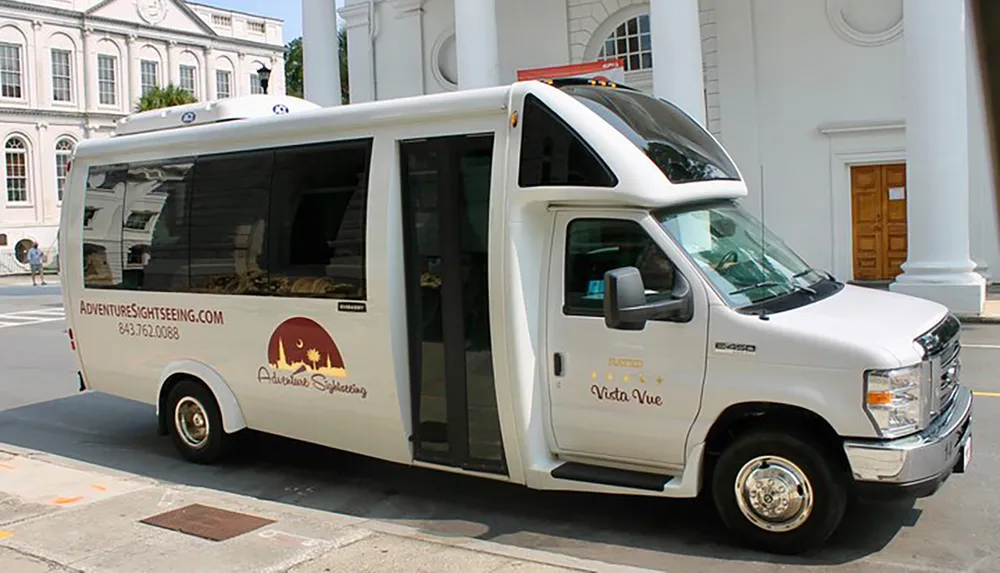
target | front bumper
x=917, y=465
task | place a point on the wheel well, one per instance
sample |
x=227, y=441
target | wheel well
x=168, y=385
x=742, y=418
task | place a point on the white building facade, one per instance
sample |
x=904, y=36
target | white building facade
x=69, y=69
x=857, y=123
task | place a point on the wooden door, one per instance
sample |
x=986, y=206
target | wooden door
x=878, y=208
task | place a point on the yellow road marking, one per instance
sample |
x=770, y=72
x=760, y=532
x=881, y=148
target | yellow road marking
x=5, y=534
x=67, y=500
x=989, y=394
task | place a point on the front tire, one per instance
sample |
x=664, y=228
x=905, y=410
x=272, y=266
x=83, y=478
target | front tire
x=779, y=493
x=195, y=423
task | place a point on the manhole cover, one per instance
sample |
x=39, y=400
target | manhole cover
x=207, y=522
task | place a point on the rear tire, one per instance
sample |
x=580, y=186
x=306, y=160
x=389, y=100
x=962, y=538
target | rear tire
x=195, y=423
x=779, y=493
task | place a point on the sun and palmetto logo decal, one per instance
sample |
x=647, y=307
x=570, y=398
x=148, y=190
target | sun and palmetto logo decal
x=301, y=353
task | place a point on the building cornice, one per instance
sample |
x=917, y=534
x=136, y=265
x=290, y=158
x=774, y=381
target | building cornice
x=355, y=15
x=407, y=6
x=127, y=27
x=41, y=112
x=852, y=127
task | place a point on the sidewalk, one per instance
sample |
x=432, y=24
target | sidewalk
x=59, y=515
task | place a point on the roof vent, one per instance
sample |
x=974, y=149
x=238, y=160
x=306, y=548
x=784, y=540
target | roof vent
x=216, y=111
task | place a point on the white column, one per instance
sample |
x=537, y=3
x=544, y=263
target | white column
x=360, y=58
x=88, y=73
x=241, y=76
x=938, y=266
x=211, y=91
x=173, y=72
x=134, y=91
x=678, y=76
x=320, y=53
x=476, y=44
x=404, y=66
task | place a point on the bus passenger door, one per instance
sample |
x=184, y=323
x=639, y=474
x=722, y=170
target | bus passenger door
x=629, y=396
x=446, y=196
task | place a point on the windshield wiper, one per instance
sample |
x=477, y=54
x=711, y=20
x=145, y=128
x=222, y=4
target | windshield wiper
x=764, y=284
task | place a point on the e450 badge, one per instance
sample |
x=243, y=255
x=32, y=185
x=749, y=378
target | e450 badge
x=735, y=348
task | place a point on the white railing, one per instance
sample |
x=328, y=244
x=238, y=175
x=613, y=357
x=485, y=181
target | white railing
x=9, y=265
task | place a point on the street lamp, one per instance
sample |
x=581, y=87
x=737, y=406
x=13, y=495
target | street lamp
x=264, y=73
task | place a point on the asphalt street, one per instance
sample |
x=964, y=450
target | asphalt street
x=40, y=409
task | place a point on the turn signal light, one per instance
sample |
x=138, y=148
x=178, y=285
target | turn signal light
x=879, y=398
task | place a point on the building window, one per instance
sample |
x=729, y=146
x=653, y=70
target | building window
x=17, y=170
x=150, y=75
x=88, y=216
x=188, y=82
x=223, y=83
x=62, y=75
x=107, y=79
x=631, y=42
x=255, y=27
x=10, y=71
x=64, y=149
x=139, y=220
x=255, y=87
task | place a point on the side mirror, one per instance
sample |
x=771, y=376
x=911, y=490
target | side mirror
x=625, y=306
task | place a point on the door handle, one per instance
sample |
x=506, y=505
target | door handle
x=557, y=360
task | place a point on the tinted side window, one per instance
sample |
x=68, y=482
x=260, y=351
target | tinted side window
x=157, y=225
x=553, y=154
x=596, y=246
x=319, y=205
x=102, y=226
x=229, y=213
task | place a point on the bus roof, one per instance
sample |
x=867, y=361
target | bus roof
x=215, y=111
x=252, y=123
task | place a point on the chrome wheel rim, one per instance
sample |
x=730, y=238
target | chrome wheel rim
x=192, y=423
x=774, y=494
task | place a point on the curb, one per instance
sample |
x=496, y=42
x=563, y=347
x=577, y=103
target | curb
x=525, y=555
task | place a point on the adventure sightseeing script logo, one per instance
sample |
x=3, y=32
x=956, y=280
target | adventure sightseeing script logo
x=302, y=354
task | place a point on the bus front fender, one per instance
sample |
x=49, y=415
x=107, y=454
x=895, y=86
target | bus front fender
x=232, y=415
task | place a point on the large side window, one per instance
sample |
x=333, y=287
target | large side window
x=318, y=209
x=102, y=226
x=553, y=154
x=596, y=246
x=229, y=213
x=156, y=226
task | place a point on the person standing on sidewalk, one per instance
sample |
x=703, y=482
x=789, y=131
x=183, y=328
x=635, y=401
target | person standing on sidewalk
x=35, y=257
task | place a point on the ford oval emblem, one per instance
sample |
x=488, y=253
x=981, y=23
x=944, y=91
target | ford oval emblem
x=188, y=117
x=280, y=109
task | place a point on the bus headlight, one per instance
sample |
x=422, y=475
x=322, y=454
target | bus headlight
x=895, y=399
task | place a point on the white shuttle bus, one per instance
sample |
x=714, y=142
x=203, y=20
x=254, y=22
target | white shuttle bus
x=547, y=283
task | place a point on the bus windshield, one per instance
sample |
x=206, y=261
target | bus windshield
x=745, y=262
x=681, y=148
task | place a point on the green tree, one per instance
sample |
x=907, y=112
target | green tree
x=168, y=96
x=294, y=80
x=293, y=68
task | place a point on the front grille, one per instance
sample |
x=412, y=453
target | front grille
x=943, y=350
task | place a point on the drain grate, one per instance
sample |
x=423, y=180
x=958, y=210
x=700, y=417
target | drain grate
x=206, y=522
